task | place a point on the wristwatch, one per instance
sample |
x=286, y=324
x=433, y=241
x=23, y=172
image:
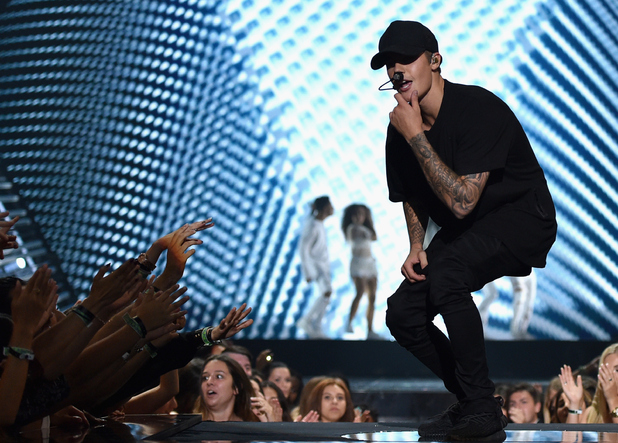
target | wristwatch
x=614, y=413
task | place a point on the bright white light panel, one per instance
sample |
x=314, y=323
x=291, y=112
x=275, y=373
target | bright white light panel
x=122, y=120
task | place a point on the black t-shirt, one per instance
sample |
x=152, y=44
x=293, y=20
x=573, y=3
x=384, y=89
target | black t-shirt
x=476, y=132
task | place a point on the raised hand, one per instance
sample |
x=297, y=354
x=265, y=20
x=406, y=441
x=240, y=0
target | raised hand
x=573, y=390
x=161, y=308
x=311, y=417
x=7, y=241
x=32, y=301
x=362, y=417
x=277, y=410
x=178, y=244
x=233, y=323
x=106, y=291
x=261, y=408
x=607, y=378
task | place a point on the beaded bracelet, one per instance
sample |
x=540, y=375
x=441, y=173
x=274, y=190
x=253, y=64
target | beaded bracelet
x=20, y=353
x=136, y=324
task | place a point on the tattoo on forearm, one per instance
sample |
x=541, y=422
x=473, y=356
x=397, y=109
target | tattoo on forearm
x=416, y=233
x=459, y=193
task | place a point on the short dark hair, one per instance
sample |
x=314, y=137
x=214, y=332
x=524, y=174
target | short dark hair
x=237, y=349
x=520, y=387
x=320, y=203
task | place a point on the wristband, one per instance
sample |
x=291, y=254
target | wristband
x=207, y=337
x=20, y=353
x=145, y=264
x=205, y=334
x=151, y=349
x=575, y=411
x=136, y=324
x=84, y=314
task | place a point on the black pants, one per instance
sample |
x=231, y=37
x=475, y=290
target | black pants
x=456, y=268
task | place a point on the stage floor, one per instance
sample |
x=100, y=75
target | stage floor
x=190, y=429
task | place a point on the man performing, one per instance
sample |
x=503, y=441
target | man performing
x=458, y=155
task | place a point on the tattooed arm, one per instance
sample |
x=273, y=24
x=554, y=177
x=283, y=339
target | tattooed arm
x=416, y=234
x=460, y=193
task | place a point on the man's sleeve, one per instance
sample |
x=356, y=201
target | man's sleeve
x=396, y=188
x=307, y=239
x=484, y=137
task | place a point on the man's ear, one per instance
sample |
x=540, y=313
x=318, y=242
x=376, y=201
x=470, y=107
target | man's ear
x=436, y=60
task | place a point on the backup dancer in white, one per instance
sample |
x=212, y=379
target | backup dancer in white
x=316, y=265
x=524, y=293
x=357, y=226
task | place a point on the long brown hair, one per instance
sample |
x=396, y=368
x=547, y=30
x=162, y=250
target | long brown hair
x=350, y=211
x=315, y=398
x=600, y=410
x=240, y=381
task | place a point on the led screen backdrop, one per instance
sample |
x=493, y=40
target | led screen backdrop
x=122, y=120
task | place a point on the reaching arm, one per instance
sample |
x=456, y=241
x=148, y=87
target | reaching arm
x=148, y=402
x=27, y=306
x=177, y=244
x=7, y=241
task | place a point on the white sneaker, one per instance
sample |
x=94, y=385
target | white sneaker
x=374, y=336
x=318, y=333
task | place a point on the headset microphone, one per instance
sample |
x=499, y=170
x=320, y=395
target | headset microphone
x=397, y=77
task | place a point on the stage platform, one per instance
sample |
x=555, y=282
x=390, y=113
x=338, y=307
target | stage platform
x=190, y=429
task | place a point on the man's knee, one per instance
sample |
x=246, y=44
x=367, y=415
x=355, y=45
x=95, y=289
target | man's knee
x=406, y=314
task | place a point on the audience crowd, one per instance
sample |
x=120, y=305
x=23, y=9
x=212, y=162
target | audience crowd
x=120, y=351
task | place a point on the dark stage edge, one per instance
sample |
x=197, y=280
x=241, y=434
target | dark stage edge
x=190, y=429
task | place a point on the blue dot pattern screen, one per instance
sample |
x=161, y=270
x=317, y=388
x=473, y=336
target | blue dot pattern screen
x=123, y=120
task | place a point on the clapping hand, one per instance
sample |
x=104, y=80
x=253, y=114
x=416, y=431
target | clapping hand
x=574, y=390
x=32, y=301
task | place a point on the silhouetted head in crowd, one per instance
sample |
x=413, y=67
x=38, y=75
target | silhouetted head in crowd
x=296, y=388
x=242, y=356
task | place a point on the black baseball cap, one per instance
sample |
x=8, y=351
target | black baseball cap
x=404, y=38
